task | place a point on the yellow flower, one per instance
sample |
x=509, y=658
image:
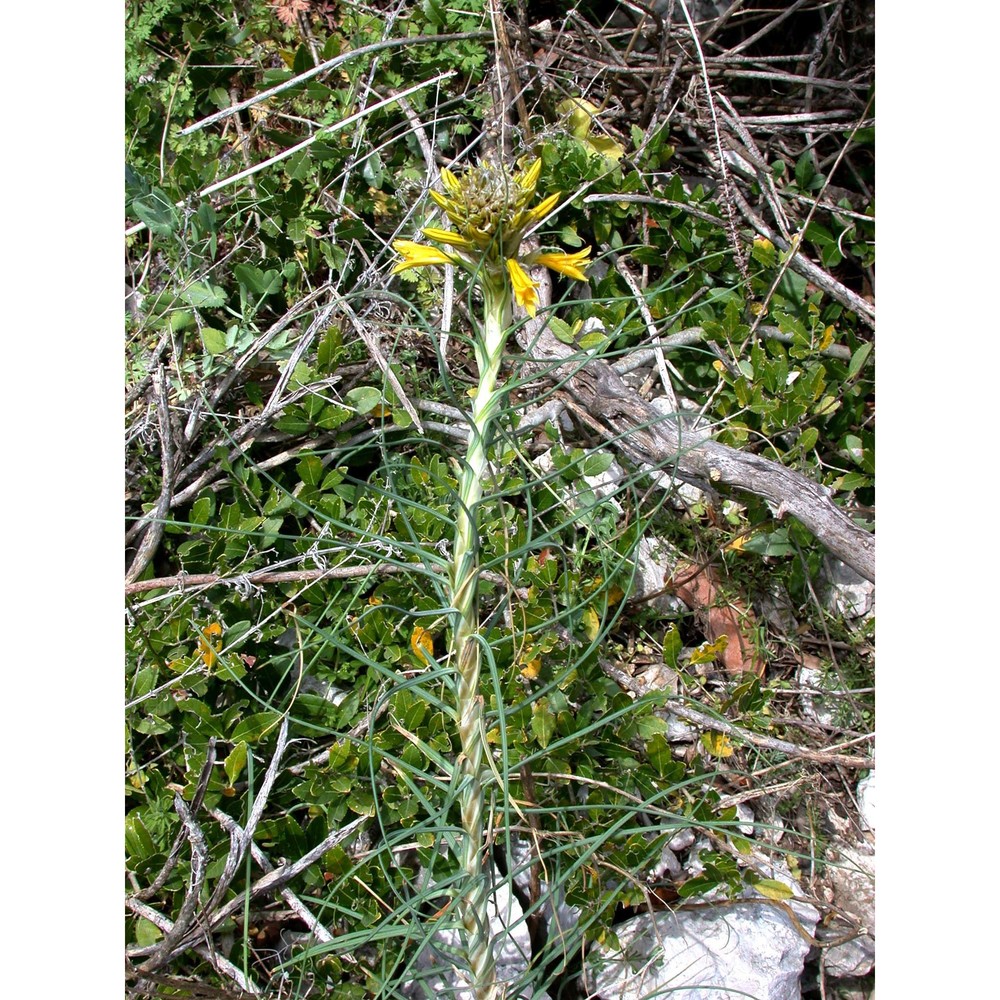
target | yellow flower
x=449, y=238
x=489, y=207
x=418, y=255
x=537, y=213
x=451, y=182
x=524, y=288
x=446, y=205
x=529, y=178
x=570, y=264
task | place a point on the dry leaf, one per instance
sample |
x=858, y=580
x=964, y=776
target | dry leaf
x=532, y=669
x=422, y=643
x=210, y=644
x=289, y=10
x=697, y=587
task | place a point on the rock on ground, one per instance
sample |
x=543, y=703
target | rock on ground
x=733, y=952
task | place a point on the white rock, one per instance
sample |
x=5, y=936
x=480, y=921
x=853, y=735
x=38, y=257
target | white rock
x=776, y=606
x=866, y=801
x=695, y=866
x=745, y=814
x=850, y=878
x=512, y=951
x=668, y=863
x=715, y=953
x=654, y=563
x=851, y=875
x=560, y=917
x=681, y=839
x=776, y=869
x=814, y=704
x=325, y=689
x=846, y=592
x=604, y=484
x=851, y=959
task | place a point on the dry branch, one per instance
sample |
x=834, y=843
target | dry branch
x=704, y=720
x=667, y=442
x=222, y=965
x=296, y=904
x=186, y=914
x=153, y=522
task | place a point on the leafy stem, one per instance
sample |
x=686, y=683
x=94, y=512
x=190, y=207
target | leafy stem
x=465, y=650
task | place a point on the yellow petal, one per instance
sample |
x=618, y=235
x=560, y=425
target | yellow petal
x=450, y=181
x=529, y=178
x=440, y=200
x=570, y=264
x=524, y=288
x=418, y=255
x=448, y=237
x=541, y=209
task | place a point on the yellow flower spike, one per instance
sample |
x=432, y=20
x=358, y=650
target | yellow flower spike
x=570, y=264
x=418, y=255
x=524, y=288
x=448, y=237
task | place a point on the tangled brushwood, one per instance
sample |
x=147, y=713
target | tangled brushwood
x=499, y=498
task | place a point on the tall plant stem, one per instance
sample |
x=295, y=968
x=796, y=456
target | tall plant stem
x=465, y=648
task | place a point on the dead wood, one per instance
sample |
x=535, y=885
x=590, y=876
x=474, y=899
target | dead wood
x=644, y=435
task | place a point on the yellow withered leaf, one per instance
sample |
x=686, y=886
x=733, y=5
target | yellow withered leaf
x=736, y=545
x=422, y=643
x=210, y=644
x=532, y=669
x=717, y=744
x=708, y=651
x=591, y=624
x=773, y=889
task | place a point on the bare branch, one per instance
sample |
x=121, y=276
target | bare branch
x=715, y=724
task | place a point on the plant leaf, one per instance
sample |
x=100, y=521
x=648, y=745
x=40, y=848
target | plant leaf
x=364, y=398
x=236, y=761
x=157, y=211
x=858, y=359
x=773, y=889
x=255, y=727
x=543, y=722
x=214, y=341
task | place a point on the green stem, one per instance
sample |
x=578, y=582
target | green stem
x=465, y=651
